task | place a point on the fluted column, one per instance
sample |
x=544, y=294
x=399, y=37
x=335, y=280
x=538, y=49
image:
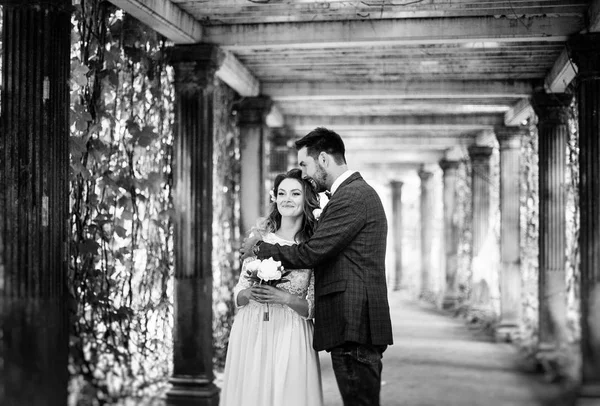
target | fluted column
x=396, y=187
x=451, y=233
x=254, y=151
x=552, y=112
x=509, y=139
x=34, y=202
x=480, y=185
x=585, y=50
x=426, y=208
x=193, y=377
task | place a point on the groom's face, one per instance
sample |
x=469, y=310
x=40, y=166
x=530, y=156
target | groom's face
x=312, y=169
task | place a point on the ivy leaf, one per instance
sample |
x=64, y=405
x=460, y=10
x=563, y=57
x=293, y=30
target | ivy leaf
x=79, y=169
x=126, y=215
x=121, y=231
x=98, y=149
x=146, y=136
x=133, y=128
x=88, y=247
x=80, y=117
x=79, y=73
x=77, y=147
x=154, y=182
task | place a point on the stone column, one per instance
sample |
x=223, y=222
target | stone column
x=427, y=209
x=396, y=187
x=509, y=139
x=292, y=156
x=553, y=114
x=280, y=152
x=34, y=202
x=585, y=51
x=193, y=377
x=451, y=233
x=480, y=185
x=254, y=134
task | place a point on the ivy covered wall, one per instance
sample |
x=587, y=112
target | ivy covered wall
x=121, y=268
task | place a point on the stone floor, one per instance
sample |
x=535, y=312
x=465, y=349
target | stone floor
x=436, y=360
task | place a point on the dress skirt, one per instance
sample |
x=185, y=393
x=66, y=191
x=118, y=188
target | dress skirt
x=271, y=363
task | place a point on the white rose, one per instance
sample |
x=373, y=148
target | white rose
x=269, y=270
x=317, y=213
x=253, y=265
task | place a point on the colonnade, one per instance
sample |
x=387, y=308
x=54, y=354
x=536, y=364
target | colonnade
x=34, y=200
x=552, y=116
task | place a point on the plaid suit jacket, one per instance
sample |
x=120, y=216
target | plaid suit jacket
x=347, y=253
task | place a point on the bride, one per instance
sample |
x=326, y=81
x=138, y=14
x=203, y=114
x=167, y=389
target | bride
x=270, y=360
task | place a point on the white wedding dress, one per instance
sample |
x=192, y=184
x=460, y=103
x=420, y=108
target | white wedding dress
x=273, y=363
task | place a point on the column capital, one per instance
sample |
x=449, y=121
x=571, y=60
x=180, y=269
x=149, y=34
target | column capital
x=584, y=49
x=551, y=108
x=254, y=110
x=195, y=66
x=396, y=184
x=480, y=153
x=509, y=137
x=449, y=165
x=424, y=175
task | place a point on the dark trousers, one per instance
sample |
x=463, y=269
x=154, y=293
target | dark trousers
x=357, y=369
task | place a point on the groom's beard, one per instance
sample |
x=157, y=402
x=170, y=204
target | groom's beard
x=320, y=179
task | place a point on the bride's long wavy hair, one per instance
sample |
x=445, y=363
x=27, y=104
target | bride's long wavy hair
x=311, y=202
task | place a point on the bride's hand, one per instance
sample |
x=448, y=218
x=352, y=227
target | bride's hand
x=269, y=294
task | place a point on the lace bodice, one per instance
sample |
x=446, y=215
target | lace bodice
x=301, y=281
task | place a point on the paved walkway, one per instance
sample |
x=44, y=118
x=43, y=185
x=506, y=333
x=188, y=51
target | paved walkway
x=437, y=361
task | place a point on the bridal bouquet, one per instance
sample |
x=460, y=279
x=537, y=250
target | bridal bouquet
x=268, y=272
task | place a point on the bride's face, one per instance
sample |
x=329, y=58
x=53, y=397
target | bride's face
x=290, y=198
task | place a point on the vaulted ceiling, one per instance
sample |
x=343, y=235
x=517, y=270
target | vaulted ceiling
x=404, y=81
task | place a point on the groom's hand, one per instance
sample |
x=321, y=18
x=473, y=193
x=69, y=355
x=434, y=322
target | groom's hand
x=246, y=250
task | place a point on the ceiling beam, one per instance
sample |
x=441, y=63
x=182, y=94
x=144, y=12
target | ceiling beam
x=164, y=17
x=518, y=113
x=237, y=76
x=357, y=158
x=484, y=89
x=394, y=143
x=564, y=70
x=352, y=33
x=245, y=12
x=459, y=122
x=562, y=73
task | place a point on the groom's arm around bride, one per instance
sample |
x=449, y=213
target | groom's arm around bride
x=347, y=252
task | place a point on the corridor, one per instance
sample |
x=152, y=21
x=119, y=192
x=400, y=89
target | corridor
x=438, y=361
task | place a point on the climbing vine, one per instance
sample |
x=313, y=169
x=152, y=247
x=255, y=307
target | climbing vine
x=572, y=226
x=226, y=230
x=529, y=207
x=120, y=276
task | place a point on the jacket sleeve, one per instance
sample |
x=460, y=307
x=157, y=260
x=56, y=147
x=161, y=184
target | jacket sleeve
x=343, y=220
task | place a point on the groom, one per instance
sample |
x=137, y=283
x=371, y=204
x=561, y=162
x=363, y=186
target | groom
x=347, y=252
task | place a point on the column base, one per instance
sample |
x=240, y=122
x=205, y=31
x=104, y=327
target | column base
x=450, y=302
x=589, y=395
x=506, y=333
x=192, y=392
x=428, y=296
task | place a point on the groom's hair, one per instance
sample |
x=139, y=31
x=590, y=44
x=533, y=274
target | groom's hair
x=323, y=140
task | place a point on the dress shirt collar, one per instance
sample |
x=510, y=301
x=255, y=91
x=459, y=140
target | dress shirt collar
x=340, y=180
